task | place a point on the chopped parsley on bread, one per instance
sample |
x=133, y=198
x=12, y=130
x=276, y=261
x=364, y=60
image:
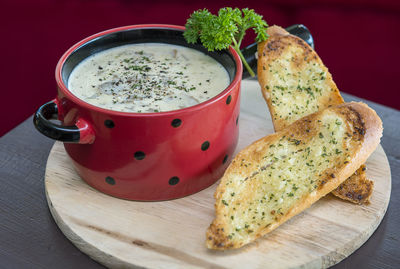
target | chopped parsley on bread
x=295, y=83
x=282, y=174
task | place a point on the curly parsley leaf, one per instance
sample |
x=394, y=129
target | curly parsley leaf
x=195, y=24
x=226, y=29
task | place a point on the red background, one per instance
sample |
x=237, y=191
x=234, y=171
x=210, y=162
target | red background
x=358, y=41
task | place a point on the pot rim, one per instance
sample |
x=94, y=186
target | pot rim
x=63, y=88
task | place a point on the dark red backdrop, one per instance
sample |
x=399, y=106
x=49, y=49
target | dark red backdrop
x=357, y=40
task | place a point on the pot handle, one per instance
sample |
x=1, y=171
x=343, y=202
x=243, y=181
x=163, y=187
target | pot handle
x=81, y=132
x=250, y=51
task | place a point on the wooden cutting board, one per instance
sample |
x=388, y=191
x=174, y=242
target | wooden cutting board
x=171, y=234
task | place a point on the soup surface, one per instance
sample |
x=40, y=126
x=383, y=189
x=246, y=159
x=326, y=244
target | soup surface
x=148, y=77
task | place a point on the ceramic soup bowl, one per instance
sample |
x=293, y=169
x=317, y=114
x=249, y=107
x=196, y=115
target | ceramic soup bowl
x=144, y=156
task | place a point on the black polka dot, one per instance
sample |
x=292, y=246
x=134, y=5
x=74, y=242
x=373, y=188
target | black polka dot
x=109, y=123
x=173, y=181
x=176, y=123
x=110, y=180
x=205, y=146
x=237, y=120
x=139, y=155
x=225, y=159
x=228, y=100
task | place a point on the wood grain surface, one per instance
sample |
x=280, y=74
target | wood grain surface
x=120, y=233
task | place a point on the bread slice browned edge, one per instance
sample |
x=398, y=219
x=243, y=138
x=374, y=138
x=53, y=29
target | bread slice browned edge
x=372, y=132
x=357, y=189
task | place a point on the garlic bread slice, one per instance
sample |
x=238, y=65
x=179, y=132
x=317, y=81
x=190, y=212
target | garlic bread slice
x=282, y=174
x=293, y=79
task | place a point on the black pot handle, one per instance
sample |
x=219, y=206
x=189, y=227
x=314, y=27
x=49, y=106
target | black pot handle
x=80, y=133
x=250, y=51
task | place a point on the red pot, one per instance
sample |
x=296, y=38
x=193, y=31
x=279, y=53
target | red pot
x=144, y=156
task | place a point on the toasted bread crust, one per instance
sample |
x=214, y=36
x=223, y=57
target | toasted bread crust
x=240, y=184
x=356, y=189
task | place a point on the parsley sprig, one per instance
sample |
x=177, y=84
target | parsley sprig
x=226, y=29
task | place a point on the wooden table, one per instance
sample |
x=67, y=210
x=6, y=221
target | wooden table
x=29, y=238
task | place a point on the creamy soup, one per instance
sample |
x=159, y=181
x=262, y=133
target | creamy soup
x=148, y=77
